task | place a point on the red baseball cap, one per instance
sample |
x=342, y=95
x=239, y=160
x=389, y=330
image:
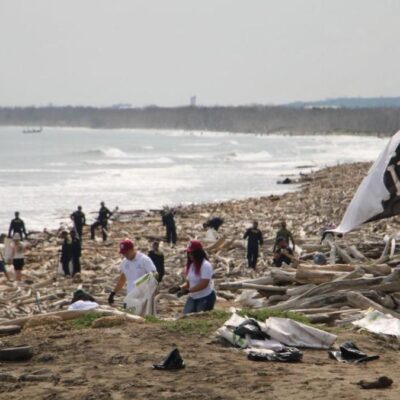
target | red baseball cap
x=194, y=245
x=125, y=246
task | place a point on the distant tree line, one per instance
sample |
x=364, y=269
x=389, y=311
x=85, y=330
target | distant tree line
x=254, y=119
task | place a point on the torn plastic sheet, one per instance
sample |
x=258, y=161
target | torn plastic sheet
x=287, y=354
x=350, y=353
x=296, y=334
x=379, y=323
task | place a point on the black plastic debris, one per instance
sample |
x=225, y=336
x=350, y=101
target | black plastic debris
x=382, y=382
x=350, y=353
x=250, y=328
x=171, y=362
x=287, y=354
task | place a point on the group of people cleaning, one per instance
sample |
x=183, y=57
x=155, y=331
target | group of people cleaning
x=198, y=272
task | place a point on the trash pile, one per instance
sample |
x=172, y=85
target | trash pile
x=278, y=339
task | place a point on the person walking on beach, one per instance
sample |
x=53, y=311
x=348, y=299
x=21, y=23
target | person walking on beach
x=66, y=255
x=158, y=259
x=254, y=240
x=134, y=265
x=102, y=220
x=169, y=223
x=17, y=226
x=79, y=219
x=285, y=234
x=76, y=251
x=199, y=284
x=18, y=255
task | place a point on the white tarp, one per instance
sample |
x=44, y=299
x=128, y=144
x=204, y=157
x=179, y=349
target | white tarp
x=378, y=195
x=293, y=333
x=140, y=300
x=377, y=322
x=234, y=321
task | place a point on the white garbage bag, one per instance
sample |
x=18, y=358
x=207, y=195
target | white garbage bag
x=377, y=322
x=140, y=301
x=83, y=305
x=292, y=333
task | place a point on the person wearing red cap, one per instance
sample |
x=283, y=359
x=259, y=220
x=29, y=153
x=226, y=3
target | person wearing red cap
x=134, y=266
x=199, y=284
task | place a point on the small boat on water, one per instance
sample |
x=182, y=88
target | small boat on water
x=33, y=130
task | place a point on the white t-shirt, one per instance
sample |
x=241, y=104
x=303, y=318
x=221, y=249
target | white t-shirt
x=18, y=250
x=206, y=272
x=136, y=268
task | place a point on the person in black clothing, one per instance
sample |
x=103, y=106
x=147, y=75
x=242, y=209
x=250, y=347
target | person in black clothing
x=158, y=260
x=65, y=253
x=254, y=239
x=169, y=223
x=76, y=251
x=214, y=223
x=17, y=226
x=79, y=220
x=282, y=253
x=102, y=219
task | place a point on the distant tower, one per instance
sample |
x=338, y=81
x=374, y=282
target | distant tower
x=193, y=101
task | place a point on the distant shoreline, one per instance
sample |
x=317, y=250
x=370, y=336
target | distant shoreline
x=205, y=132
x=251, y=119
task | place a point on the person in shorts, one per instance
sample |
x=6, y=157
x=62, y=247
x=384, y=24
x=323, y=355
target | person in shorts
x=18, y=256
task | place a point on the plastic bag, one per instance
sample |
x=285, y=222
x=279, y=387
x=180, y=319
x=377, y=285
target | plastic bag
x=140, y=301
x=287, y=354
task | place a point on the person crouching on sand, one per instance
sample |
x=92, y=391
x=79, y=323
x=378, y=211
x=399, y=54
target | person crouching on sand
x=199, y=284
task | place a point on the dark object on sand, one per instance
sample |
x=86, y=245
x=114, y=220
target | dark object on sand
x=286, y=181
x=20, y=353
x=251, y=328
x=382, y=382
x=171, y=362
x=287, y=354
x=350, y=353
x=9, y=330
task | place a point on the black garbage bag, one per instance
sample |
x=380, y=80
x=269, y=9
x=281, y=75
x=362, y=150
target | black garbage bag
x=287, y=354
x=350, y=353
x=80, y=294
x=251, y=328
x=171, y=362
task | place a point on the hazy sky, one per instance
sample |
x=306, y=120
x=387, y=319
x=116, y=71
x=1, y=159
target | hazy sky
x=161, y=52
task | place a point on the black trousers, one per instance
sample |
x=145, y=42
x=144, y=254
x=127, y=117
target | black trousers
x=76, y=265
x=252, y=256
x=103, y=225
x=171, y=234
x=65, y=267
x=79, y=231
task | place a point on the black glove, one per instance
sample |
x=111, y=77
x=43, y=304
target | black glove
x=111, y=298
x=182, y=292
x=174, y=289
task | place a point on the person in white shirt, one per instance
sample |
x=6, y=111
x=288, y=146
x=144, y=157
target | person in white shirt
x=134, y=266
x=18, y=256
x=199, y=284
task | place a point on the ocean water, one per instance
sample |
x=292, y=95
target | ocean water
x=46, y=175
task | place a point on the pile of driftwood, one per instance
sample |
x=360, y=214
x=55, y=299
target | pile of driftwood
x=359, y=270
x=333, y=293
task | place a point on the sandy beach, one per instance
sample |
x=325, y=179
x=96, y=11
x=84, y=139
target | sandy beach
x=115, y=362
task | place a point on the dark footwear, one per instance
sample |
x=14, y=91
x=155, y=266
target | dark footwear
x=380, y=383
x=172, y=361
